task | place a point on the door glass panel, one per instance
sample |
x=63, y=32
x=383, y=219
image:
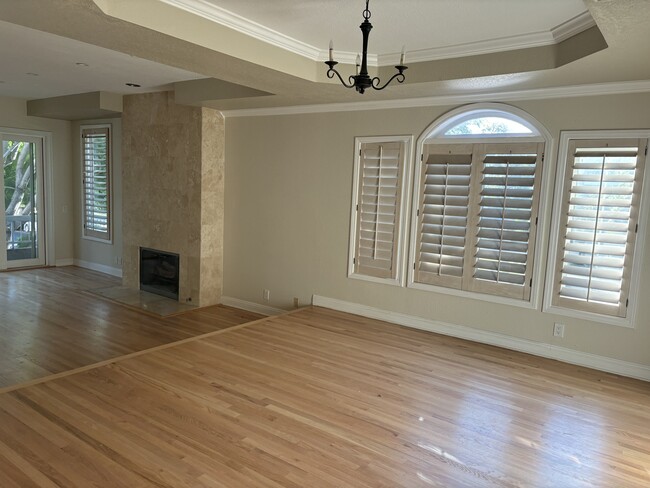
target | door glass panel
x=21, y=199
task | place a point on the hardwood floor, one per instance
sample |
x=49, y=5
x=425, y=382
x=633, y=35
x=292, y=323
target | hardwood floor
x=318, y=398
x=50, y=324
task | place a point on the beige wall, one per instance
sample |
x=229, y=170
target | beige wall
x=103, y=255
x=288, y=191
x=13, y=114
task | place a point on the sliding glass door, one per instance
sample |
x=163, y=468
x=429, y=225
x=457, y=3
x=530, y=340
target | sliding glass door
x=22, y=186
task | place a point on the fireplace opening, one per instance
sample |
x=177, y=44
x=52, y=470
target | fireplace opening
x=159, y=272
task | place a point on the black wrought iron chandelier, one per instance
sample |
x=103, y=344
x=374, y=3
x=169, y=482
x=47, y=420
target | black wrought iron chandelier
x=361, y=81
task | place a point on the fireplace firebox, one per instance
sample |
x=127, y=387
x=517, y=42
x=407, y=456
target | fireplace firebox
x=159, y=272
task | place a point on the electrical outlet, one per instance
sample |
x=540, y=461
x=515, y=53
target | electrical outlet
x=296, y=302
x=558, y=330
x=266, y=295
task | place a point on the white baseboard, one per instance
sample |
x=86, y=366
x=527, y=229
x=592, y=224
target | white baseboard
x=601, y=363
x=64, y=262
x=251, y=306
x=102, y=268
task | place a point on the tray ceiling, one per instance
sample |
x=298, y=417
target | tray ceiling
x=430, y=29
x=262, y=53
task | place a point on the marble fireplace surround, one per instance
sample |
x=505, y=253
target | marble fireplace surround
x=172, y=178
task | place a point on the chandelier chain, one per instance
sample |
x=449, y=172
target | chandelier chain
x=366, y=12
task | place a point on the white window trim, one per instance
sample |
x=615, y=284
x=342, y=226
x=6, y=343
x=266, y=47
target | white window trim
x=110, y=186
x=400, y=259
x=48, y=189
x=435, y=131
x=644, y=221
x=47, y=185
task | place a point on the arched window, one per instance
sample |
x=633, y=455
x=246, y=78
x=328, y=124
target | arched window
x=484, y=121
x=477, y=185
x=490, y=126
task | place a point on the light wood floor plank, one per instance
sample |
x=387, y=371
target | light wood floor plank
x=49, y=323
x=319, y=398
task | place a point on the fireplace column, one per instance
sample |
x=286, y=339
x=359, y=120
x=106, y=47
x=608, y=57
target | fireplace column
x=173, y=167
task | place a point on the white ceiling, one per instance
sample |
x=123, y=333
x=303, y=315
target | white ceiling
x=129, y=40
x=53, y=58
x=418, y=24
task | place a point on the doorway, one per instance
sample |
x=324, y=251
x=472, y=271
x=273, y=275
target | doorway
x=23, y=218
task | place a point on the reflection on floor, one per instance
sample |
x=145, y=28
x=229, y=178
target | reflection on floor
x=324, y=399
x=49, y=323
x=149, y=302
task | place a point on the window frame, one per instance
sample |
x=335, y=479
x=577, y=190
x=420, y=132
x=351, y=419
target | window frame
x=435, y=133
x=643, y=221
x=402, y=227
x=109, y=238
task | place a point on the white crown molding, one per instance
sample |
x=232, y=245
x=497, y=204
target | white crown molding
x=489, y=46
x=573, y=26
x=240, y=24
x=556, y=35
x=616, y=88
x=251, y=306
x=257, y=31
x=510, y=43
x=564, y=354
x=351, y=58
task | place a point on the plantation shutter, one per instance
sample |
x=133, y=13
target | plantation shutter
x=442, y=214
x=378, y=207
x=96, y=182
x=599, y=225
x=504, y=219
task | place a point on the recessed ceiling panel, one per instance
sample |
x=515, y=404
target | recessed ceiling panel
x=419, y=24
x=36, y=64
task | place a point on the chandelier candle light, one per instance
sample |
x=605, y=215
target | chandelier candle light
x=361, y=81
